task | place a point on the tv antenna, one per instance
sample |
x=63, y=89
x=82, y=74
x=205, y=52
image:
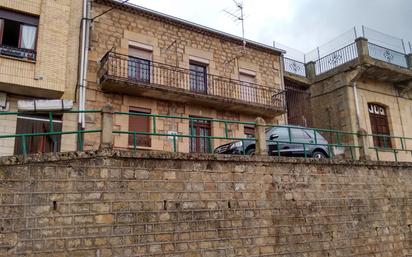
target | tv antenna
x=237, y=15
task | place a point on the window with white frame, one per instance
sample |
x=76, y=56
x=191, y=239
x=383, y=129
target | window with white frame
x=247, y=86
x=18, y=34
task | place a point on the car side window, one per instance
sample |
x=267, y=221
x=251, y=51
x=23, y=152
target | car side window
x=283, y=134
x=299, y=135
x=310, y=133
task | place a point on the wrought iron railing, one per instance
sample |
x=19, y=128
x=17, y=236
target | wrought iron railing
x=337, y=58
x=387, y=55
x=139, y=71
x=20, y=53
x=294, y=67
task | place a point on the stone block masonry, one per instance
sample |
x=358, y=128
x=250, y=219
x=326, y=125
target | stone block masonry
x=113, y=203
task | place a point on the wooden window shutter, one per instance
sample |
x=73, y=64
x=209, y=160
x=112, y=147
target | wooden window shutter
x=140, y=53
x=379, y=125
x=139, y=123
x=249, y=131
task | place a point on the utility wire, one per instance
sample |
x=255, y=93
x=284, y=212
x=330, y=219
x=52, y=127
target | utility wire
x=108, y=10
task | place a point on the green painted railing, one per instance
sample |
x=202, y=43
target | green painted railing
x=25, y=136
x=155, y=132
x=343, y=141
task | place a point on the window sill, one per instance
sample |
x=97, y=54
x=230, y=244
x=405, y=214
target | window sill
x=141, y=147
x=389, y=150
x=17, y=59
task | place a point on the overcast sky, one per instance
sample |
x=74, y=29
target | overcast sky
x=300, y=24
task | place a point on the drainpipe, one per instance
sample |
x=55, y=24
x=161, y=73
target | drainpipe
x=86, y=60
x=282, y=82
x=85, y=28
x=355, y=93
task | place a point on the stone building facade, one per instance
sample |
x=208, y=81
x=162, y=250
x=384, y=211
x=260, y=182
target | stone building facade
x=368, y=89
x=39, y=41
x=147, y=62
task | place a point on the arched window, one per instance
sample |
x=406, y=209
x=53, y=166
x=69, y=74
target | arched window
x=379, y=125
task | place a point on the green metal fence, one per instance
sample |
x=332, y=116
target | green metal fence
x=155, y=132
x=338, y=144
x=343, y=141
x=25, y=136
x=393, y=145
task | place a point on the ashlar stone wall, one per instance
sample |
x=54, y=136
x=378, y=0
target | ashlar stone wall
x=112, y=203
x=175, y=45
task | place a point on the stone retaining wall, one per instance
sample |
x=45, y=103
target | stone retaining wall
x=116, y=203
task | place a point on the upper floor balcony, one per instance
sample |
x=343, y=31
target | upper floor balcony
x=383, y=61
x=135, y=76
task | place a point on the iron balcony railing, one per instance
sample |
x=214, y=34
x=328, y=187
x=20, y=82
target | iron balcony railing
x=20, y=53
x=337, y=58
x=387, y=55
x=294, y=67
x=139, y=71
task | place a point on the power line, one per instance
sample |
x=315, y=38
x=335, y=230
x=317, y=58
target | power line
x=108, y=10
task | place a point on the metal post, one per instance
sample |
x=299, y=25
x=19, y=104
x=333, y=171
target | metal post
x=403, y=45
x=106, y=136
x=409, y=56
x=24, y=145
x=260, y=135
x=354, y=30
x=363, y=31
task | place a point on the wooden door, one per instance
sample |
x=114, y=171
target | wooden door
x=379, y=125
x=201, y=129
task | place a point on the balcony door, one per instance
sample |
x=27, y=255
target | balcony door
x=200, y=129
x=140, y=123
x=379, y=126
x=247, y=88
x=139, y=64
x=198, y=77
x=37, y=124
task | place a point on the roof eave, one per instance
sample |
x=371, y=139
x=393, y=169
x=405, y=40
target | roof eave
x=193, y=25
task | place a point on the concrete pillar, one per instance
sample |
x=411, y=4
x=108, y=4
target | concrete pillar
x=362, y=47
x=260, y=135
x=410, y=61
x=106, y=137
x=310, y=69
x=364, y=145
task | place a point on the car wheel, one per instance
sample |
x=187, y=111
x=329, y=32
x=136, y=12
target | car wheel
x=319, y=155
x=250, y=151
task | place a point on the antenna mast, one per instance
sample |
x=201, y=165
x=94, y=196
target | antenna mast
x=239, y=16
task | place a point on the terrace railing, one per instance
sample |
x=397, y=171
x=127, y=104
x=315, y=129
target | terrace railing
x=344, y=49
x=337, y=58
x=294, y=67
x=139, y=71
x=388, y=55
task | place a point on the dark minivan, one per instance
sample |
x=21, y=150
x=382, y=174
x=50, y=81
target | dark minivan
x=279, y=143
